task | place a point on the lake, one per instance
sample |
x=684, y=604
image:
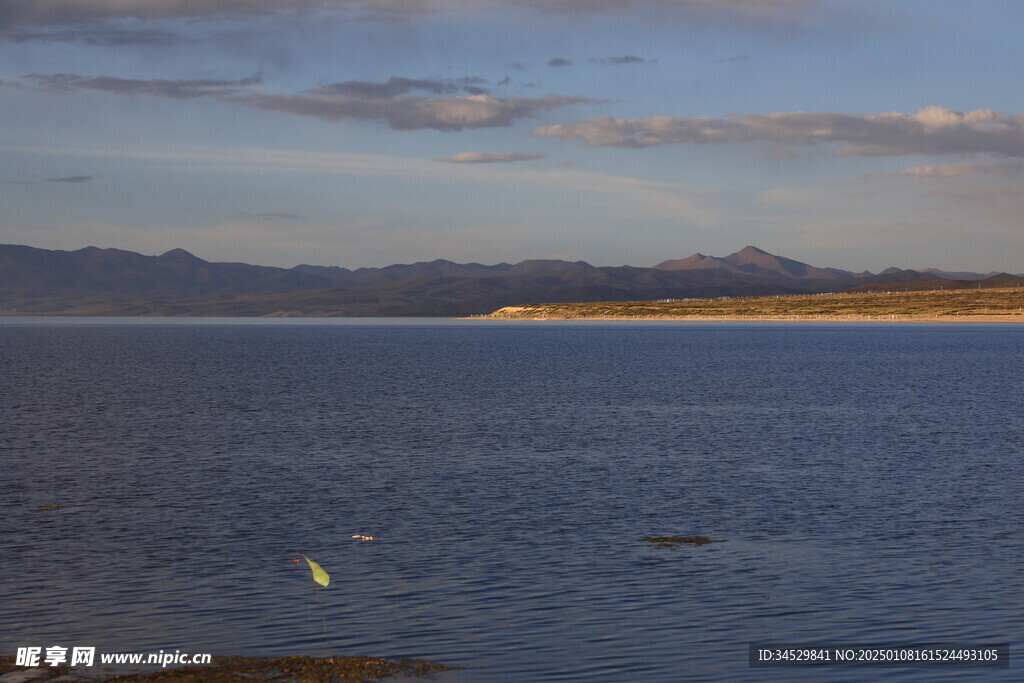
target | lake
x=866, y=480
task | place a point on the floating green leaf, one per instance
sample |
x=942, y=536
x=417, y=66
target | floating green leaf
x=319, y=575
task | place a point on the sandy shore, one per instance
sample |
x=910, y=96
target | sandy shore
x=774, y=318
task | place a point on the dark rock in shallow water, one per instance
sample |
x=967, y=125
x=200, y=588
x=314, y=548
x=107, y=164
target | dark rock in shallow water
x=676, y=541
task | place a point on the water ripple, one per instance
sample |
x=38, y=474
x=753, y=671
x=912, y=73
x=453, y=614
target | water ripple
x=866, y=481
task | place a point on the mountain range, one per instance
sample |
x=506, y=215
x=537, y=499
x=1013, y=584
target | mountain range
x=94, y=281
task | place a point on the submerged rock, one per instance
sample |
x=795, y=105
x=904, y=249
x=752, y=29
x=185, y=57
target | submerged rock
x=676, y=541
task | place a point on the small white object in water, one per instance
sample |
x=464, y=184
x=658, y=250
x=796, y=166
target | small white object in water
x=363, y=538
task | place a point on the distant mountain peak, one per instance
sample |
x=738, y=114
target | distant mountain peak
x=749, y=253
x=957, y=275
x=755, y=262
x=540, y=265
x=698, y=260
x=553, y=262
x=181, y=256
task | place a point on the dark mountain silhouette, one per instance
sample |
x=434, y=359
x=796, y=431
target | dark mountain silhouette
x=996, y=281
x=445, y=296
x=754, y=261
x=113, y=275
x=894, y=275
x=343, y=277
x=113, y=281
x=328, y=272
x=698, y=261
x=961, y=275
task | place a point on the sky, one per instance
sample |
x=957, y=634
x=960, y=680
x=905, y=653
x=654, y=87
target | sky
x=856, y=134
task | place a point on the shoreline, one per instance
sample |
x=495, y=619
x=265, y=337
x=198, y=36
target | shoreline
x=892, y=318
x=344, y=669
x=993, y=305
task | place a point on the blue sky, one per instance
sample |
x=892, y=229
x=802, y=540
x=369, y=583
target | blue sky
x=857, y=134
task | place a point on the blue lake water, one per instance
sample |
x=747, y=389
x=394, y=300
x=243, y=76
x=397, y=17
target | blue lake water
x=866, y=479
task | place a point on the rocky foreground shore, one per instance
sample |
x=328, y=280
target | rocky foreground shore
x=225, y=669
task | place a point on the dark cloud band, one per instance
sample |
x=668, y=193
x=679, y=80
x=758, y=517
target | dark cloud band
x=619, y=61
x=25, y=13
x=368, y=101
x=71, y=179
x=396, y=86
x=414, y=113
x=157, y=87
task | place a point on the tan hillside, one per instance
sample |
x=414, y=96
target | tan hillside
x=978, y=305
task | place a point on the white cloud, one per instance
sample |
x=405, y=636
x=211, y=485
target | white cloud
x=939, y=170
x=490, y=157
x=955, y=170
x=932, y=130
x=414, y=113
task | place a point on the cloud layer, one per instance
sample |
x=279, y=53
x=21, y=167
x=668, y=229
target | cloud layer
x=1006, y=168
x=348, y=100
x=414, y=113
x=619, y=61
x=22, y=13
x=396, y=85
x=491, y=157
x=102, y=37
x=157, y=87
x=932, y=130
x=71, y=179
